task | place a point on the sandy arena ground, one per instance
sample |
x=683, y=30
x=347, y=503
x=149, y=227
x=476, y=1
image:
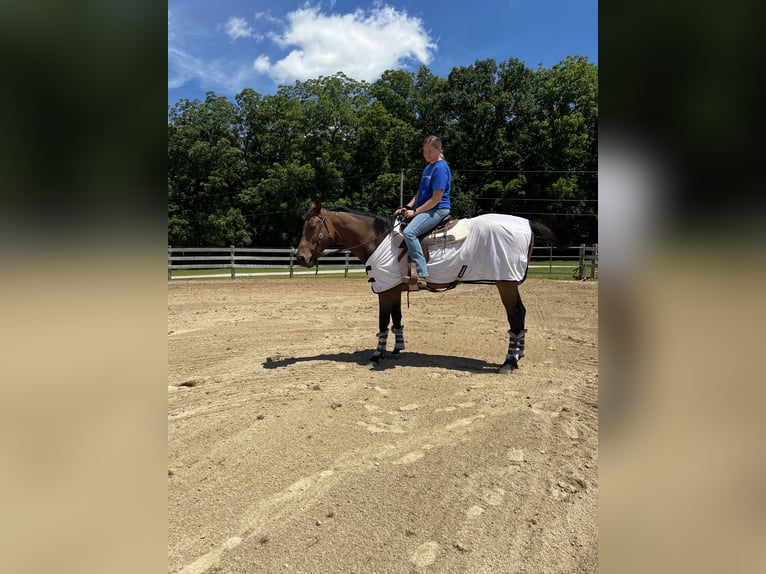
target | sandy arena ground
x=289, y=452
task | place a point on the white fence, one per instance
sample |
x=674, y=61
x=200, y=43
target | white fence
x=584, y=261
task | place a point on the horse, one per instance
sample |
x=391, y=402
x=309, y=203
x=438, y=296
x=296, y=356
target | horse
x=368, y=236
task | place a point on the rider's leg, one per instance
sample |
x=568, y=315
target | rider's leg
x=418, y=225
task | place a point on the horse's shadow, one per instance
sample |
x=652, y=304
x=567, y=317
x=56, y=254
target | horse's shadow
x=390, y=361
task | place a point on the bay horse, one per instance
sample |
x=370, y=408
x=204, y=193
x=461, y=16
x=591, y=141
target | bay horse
x=363, y=233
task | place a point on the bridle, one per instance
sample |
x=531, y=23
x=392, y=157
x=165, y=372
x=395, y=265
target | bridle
x=323, y=213
x=323, y=225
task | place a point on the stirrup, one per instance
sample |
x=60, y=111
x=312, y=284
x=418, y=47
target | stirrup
x=415, y=283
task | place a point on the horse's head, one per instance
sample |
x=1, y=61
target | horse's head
x=316, y=235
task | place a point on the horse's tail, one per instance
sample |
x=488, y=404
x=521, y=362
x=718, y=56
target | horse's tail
x=540, y=231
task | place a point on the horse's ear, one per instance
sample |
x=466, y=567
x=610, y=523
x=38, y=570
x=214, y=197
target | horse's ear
x=317, y=203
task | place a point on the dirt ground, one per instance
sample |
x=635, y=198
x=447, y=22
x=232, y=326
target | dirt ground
x=289, y=452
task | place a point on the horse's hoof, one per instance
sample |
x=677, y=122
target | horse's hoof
x=376, y=357
x=508, y=368
x=395, y=351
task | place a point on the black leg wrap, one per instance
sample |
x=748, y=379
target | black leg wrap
x=515, y=351
x=380, y=351
x=399, y=334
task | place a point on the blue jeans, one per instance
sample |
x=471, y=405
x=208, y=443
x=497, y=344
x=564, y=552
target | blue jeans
x=419, y=225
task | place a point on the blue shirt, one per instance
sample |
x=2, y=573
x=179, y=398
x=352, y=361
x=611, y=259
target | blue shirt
x=436, y=175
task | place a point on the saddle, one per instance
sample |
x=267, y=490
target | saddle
x=431, y=237
x=438, y=233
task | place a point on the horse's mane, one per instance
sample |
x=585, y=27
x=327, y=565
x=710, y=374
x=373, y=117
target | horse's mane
x=381, y=223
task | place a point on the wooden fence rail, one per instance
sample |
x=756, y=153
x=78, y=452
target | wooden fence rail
x=588, y=262
x=584, y=262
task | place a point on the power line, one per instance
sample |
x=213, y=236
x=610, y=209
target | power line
x=411, y=169
x=538, y=199
x=525, y=170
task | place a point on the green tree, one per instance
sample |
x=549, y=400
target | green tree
x=474, y=133
x=396, y=91
x=276, y=203
x=431, y=110
x=475, y=117
x=518, y=140
x=206, y=170
x=273, y=130
x=331, y=106
x=567, y=120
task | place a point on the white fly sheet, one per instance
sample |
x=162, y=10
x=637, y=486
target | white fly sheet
x=495, y=249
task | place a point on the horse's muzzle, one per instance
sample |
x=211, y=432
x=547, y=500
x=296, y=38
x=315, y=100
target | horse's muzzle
x=304, y=261
x=306, y=255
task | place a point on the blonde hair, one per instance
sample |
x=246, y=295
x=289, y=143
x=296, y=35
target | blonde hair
x=435, y=142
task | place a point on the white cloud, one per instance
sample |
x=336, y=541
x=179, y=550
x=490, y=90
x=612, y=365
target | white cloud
x=266, y=16
x=362, y=44
x=307, y=44
x=180, y=64
x=171, y=31
x=184, y=67
x=181, y=67
x=237, y=27
x=262, y=64
x=214, y=75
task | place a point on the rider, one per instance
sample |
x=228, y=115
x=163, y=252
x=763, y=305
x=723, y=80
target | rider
x=429, y=205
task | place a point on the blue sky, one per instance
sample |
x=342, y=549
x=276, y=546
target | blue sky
x=228, y=45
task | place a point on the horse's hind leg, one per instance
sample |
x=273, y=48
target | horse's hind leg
x=516, y=313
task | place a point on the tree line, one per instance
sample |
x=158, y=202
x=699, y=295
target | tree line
x=518, y=140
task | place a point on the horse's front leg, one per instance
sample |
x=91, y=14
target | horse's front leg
x=396, y=317
x=389, y=307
